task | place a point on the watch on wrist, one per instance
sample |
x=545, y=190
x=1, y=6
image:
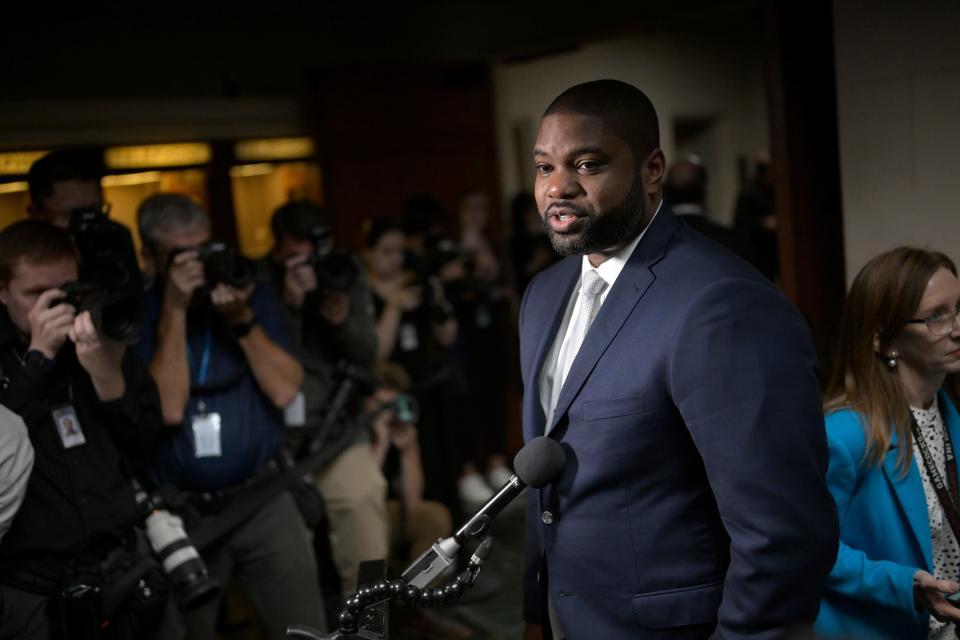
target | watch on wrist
x=34, y=362
x=241, y=329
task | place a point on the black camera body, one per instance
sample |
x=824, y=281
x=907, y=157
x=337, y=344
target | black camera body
x=110, y=287
x=106, y=250
x=335, y=269
x=223, y=263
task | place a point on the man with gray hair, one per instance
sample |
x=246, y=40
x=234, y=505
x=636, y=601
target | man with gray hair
x=216, y=346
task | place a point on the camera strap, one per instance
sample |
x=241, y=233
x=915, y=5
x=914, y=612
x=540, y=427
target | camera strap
x=199, y=385
x=948, y=493
x=204, y=368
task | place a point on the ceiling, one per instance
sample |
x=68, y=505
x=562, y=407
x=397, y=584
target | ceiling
x=253, y=51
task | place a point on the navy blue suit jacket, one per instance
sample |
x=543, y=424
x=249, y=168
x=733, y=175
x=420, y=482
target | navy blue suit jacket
x=693, y=502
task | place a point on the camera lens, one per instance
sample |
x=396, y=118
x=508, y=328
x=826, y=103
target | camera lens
x=181, y=560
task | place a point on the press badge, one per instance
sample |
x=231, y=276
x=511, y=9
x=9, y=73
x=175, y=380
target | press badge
x=295, y=413
x=68, y=427
x=408, y=337
x=206, y=433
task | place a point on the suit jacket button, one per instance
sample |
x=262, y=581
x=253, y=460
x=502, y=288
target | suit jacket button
x=546, y=517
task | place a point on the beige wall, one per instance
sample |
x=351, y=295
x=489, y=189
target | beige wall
x=898, y=93
x=684, y=75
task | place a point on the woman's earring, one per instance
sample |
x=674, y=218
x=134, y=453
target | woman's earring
x=892, y=362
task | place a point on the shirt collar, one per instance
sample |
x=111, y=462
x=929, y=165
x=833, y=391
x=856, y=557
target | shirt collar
x=8, y=332
x=612, y=266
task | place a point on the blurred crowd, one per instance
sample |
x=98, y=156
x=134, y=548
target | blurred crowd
x=188, y=424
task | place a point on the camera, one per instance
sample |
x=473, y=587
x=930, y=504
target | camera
x=106, y=250
x=223, y=263
x=115, y=314
x=404, y=407
x=110, y=287
x=180, y=559
x=335, y=268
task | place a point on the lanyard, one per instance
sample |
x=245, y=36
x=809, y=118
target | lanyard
x=204, y=356
x=948, y=501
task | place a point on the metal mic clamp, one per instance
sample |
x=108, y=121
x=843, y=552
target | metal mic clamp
x=396, y=590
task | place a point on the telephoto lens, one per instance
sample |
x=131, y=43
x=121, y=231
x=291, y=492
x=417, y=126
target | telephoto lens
x=180, y=559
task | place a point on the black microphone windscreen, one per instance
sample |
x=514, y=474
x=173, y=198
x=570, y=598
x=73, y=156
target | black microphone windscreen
x=539, y=462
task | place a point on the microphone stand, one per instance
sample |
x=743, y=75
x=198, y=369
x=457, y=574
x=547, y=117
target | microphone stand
x=401, y=589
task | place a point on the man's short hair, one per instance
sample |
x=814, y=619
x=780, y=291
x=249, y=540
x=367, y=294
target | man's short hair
x=375, y=229
x=299, y=219
x=168, y=212
x=393, y=376
x=62, y=166
x=33, y=241
x=626, y=112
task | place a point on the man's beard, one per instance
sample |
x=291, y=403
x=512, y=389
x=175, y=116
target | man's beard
x=601, y=233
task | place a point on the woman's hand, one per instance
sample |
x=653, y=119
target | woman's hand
x=928, y=593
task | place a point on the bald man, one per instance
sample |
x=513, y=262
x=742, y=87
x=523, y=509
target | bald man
x=683, y=388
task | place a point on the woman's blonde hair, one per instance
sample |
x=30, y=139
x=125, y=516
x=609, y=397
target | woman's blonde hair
x=884, y=295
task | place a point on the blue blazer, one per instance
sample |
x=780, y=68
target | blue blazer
x=884, y=537
x=693, y=501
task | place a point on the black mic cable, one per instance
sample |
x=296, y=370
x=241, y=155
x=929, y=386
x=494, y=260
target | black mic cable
x=386, y=590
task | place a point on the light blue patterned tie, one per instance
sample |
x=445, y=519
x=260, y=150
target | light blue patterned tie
x=590, y=287
x=590, y=290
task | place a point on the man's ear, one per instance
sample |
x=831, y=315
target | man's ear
x=149, y=262
x=4, y=293
x=654, y=169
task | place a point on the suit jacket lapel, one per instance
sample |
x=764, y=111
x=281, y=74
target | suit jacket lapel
x=631, y=285
x=909, y=492
x=560, y=292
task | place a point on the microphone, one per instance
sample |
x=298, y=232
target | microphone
x=537, y=464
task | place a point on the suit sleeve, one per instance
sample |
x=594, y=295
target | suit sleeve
x=855, y=575
x=743, y=376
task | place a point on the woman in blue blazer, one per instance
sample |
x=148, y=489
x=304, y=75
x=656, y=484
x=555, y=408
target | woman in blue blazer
x=895, y=375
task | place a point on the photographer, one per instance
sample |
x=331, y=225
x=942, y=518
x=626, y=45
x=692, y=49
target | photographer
x=417, y=329
x=62, y=182
x=89, y=407
x=415, y=523
x=216, y=345
x=330, y=314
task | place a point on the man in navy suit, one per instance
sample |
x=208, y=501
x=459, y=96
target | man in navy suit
x=682, y=386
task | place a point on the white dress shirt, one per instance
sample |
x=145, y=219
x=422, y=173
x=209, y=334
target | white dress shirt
x=557, y=364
